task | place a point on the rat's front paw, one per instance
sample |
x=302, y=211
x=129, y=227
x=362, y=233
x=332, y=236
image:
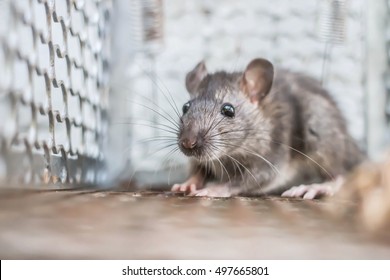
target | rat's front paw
x=186, y=187
x=190, y=186
x=214, y=190
x=314, y=190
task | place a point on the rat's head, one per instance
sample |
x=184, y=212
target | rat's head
x=224, y=109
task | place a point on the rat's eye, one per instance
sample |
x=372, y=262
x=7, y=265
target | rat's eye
x=227, y=110
x=185, y=108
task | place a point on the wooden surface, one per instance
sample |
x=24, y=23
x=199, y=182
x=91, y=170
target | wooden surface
x=127, y=225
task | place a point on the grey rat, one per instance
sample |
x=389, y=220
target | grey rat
x=262, y=131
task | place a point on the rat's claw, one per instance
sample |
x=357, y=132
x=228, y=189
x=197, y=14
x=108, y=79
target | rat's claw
x=318, y=191
x=213, y=191
x=188, y=188
x=192, y=188
x=202, y=192
x=175, y=188
x=298, y=191
x=185, y=187
x=313, y=191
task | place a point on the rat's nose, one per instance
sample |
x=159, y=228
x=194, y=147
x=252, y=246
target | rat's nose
x=189, y=143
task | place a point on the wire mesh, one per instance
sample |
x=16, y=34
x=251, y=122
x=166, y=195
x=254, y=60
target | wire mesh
x=54, y=90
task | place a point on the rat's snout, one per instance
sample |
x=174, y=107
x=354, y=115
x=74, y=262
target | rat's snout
x=190, y=143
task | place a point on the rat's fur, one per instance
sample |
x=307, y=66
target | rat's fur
x=293, y=134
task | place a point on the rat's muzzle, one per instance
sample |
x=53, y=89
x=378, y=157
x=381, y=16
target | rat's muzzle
x=191, y=144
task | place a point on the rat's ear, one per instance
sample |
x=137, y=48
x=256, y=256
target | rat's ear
x=257, y=79
x=194, y=77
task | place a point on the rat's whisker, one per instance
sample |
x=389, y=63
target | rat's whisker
x=170, y=166
x=174, y=105
x=234, y=160
x=212, y=120
x=170, y=119
x=239, y=130
x=158, y=141
x=162, y=139
x=168, y=130
x=210, y=165
x=158, y=138
x=274, y=168
x=291, y=148
x=169, y=156
x=222, y=165
x=163, y=148
x=214, y=125
x=156, y=107
x=148, y=155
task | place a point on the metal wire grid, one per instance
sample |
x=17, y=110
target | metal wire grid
x=54, y=90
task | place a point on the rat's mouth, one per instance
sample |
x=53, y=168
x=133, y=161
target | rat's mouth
x=194, y=152
x=198, y=153
x=195, y=146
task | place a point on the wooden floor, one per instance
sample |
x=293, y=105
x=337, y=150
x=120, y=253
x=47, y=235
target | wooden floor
x=128, y=225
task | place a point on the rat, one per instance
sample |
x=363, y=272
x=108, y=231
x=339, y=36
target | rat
x=264, y=131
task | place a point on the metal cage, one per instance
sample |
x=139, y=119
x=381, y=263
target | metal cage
x=54, y=78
